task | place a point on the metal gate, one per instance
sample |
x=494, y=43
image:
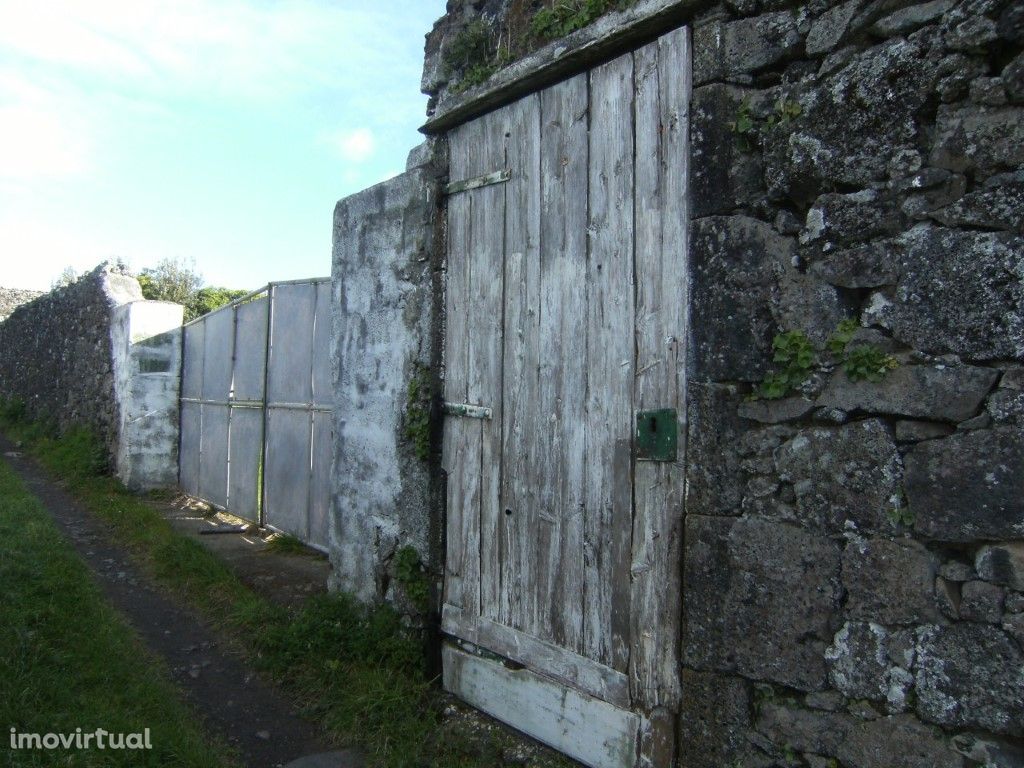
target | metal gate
x=256, y=408
x=565, y=387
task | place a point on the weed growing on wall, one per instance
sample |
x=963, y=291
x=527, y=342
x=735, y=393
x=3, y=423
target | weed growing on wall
x=411, y=574
x=417, y=413
x=796, y=358
x=566, y=16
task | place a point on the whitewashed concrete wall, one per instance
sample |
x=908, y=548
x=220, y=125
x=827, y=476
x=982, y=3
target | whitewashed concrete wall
x=385, y=285
x=146, y=355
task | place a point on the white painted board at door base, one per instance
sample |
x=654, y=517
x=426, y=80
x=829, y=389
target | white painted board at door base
x=587, y=729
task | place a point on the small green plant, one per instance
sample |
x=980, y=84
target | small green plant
x=745, y=127
x=784, y=113
x=417, y=413
x=868, y=363
x=411, y=574
x=566, y=16
x=841, y=336
x=902, y=516
x=794, y=358
x=749, y=128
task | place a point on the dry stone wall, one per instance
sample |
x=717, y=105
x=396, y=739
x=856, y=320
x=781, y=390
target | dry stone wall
x=95, y=354
x=12, y=298
x=842, y=607
x=55, y=352
x=854, y=549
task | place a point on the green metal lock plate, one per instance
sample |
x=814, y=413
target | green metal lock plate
x=657, y=434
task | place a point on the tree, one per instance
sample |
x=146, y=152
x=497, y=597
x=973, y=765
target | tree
x=171, y=280
x=67, y=277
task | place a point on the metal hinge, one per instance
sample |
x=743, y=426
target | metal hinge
x=498, y=177
x=467, y=410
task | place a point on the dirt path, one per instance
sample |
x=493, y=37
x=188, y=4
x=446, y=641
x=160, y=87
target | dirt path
x=250, y=714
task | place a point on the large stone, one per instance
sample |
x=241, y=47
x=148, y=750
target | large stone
x=900, y=741
x=851, y=473
x=863, y=266
x=862, y=665
x=852, y=125
x=889, y=582
x=970, y=675
x=737, y=261
x=993, y=207
x=981, y=601
x=727, y=49
x=828, y=30
x=776, y=411
x=759, y=597
x=908, y=19
x=1006, y=406
x=714, y=481
x=978, y=138
x=936, y=392
x=1002, y=564
x=959, y=292
x=836, y=220
x=969, y=486
x=715, y=715
x=724, y=176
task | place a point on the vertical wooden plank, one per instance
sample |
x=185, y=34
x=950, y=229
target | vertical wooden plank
x=460, y=452
x=662, y=93
x=563, y=370
x=610, y=358
x=520, y=362
x=487, y=257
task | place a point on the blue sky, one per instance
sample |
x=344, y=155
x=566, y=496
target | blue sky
x=216, y=132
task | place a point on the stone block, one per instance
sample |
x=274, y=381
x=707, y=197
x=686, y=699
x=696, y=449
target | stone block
x=981, y=601
x=759, y=596
x=908, y=19
x=936, y=392
x=862, y=665
x=724, y=177
x=900, y=741
x=862, y=266
x=860, y=116
x=1002, y=564
x=737, y=261
x=992, y=207
x=841, y=219
x=714, y=480
x=979, y=139
x=776, y=411
x=970, y=675
x=727, y=49
x=828, y=30
x=968, y=487
x=850, y=473
x=889, y=582
x=714, y=718
x=915, y=431
x=959, y=292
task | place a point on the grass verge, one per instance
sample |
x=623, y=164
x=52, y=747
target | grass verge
x=357, y=669
x=68, y=660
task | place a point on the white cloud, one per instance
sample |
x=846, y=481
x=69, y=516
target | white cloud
x=357, y=146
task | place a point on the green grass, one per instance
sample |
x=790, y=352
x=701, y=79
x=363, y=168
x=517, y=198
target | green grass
x=286, y=544
x=68, y=660
x=356, y=668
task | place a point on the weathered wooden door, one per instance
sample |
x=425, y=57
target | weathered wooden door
x=566, y=321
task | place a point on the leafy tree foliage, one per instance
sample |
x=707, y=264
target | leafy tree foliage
x=171, y=280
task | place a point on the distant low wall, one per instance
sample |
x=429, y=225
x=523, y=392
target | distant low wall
x=94, y=353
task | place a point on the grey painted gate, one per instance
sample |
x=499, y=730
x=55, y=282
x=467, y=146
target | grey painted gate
x=256, y=408
x=565, y=387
